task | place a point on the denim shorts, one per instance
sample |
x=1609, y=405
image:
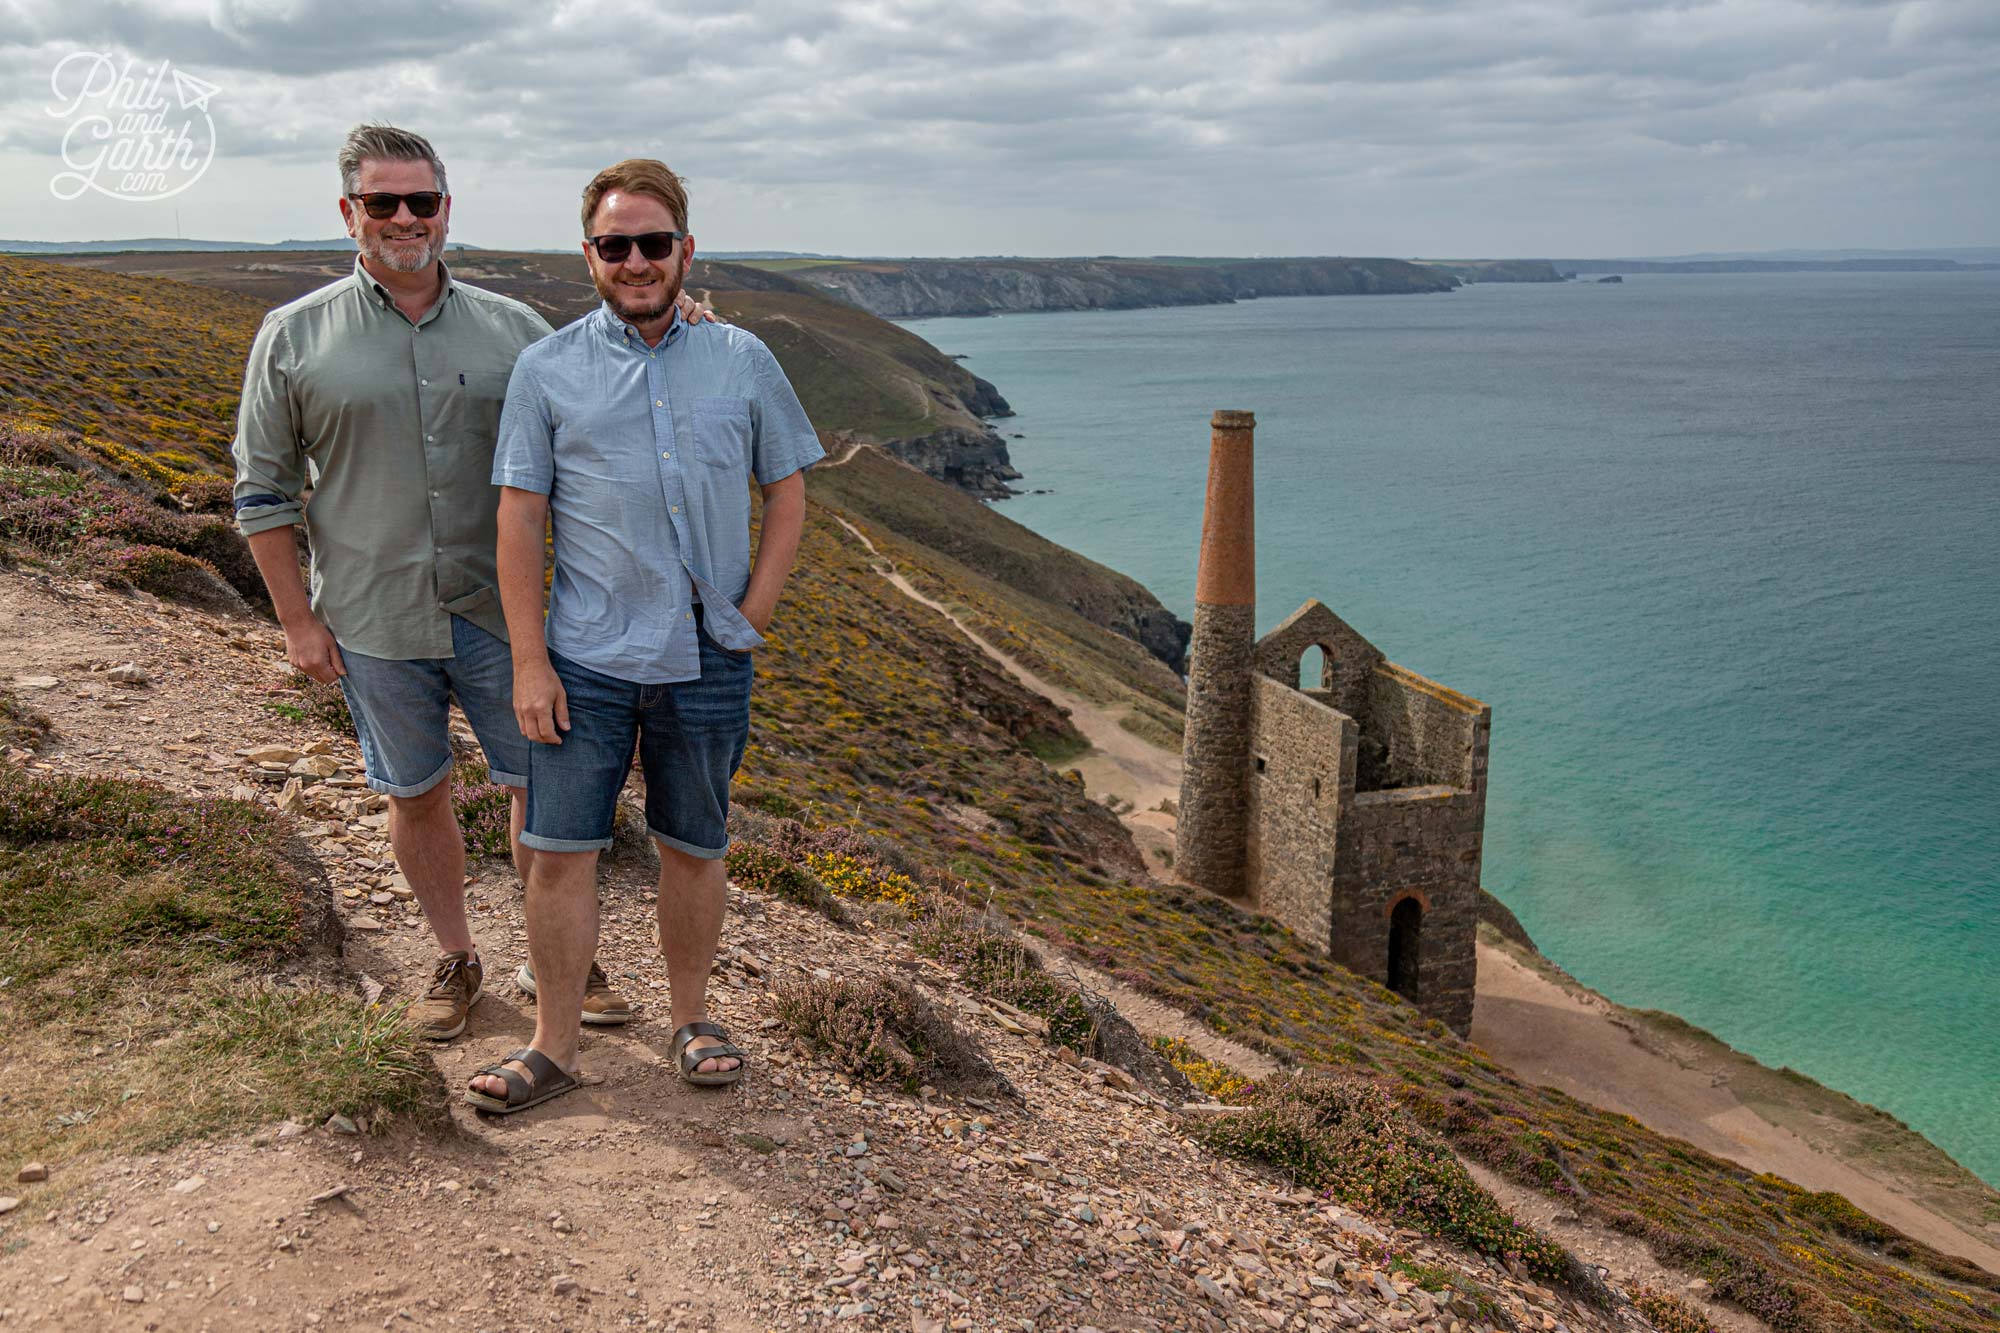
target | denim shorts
x=690, y=735
x=402, y=712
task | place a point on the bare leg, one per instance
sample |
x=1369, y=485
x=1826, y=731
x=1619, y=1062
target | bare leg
x=423, y=830
x=694, y=893
x=517, y=819
x=561, y=915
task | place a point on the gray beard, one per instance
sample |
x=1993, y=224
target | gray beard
x=399, y=261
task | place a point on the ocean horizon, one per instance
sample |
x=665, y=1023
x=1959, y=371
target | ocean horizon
x=1718, y=550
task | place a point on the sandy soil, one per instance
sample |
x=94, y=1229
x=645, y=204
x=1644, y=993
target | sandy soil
x=1573, y=1039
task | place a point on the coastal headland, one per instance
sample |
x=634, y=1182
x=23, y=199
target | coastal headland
x=934, y=729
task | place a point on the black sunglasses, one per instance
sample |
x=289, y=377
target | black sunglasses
x=380, y=204
x=654, y=245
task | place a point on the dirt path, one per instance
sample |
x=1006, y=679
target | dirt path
x=1119, y=764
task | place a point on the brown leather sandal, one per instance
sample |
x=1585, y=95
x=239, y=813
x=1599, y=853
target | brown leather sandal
x=688, y=1061
x=549, y=1081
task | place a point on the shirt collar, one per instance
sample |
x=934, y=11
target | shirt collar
x=623, y=334
x=370, y=285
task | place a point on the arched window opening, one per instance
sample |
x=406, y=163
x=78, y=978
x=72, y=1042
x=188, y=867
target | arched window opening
x=1315, y=668
x=1406, y=925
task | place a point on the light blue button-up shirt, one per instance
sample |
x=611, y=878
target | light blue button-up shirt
x=646, y=455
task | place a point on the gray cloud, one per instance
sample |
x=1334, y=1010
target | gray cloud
x=1521, y=126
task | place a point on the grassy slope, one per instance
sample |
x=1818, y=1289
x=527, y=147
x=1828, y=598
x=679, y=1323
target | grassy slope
x=1018, y=563
x=874, y=379
x=871, y=713
x=140, y=934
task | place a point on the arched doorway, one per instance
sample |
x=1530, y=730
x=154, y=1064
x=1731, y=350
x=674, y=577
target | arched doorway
x=1406, y=924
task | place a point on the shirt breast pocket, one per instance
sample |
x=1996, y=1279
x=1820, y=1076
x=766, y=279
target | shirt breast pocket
x=481, y=395
x=722, y=432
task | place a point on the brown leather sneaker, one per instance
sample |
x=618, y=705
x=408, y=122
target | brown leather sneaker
x=442, y=1013
x=601, y=1004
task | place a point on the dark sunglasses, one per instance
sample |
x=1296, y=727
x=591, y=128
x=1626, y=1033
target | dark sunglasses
x=654, y=245
x=380, y=205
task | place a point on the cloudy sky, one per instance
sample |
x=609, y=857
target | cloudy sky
x=1513, y=127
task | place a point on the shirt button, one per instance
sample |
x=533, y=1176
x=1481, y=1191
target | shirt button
x=666, y=455
x=425, y=383
x=677, y=509
x=659, y=402
x=434, y=495
x=430, y=439
x=687, y=615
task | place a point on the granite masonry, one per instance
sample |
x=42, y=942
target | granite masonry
x=1351, y=807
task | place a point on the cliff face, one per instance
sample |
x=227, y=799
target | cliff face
x=1499, y=270
x=919, y=288
x=975, y=461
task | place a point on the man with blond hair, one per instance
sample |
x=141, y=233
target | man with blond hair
x=381, y=392
x=638, y=436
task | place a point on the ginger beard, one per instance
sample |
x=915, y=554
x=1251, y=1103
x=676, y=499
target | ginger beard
x=639, y=297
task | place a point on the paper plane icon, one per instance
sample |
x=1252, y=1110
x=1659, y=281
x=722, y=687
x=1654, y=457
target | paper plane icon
x=194, y=93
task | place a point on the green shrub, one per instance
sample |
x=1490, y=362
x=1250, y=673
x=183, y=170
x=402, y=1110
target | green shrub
x=485, y=810
x=1348, y=1137
x=883, y=1030
x=1217, y=1080
x=754, y=866
x=323, y=702
x=164, y=573
x=994, y=963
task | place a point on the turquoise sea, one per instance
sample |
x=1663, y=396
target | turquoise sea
x=1723, y=554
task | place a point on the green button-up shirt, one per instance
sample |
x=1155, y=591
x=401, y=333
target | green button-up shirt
x=391, y=425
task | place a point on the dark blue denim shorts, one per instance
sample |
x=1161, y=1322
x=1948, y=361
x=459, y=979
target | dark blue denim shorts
x=690, y=735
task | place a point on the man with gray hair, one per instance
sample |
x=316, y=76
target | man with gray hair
x=381, y=392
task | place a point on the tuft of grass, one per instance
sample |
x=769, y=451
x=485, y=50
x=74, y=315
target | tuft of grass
x=139, y=936
x=1348, y=1137
x=20, y=725
x=885, y=1031
x=1669, y=1313
x=1428, y=1276
x=322, y=703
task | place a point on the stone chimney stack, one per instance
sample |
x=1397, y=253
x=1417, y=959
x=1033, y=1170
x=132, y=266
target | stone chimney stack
x=1215, y=749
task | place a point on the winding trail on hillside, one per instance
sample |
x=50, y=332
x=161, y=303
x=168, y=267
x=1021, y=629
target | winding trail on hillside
x=1119, y=764
x=1564, y=1036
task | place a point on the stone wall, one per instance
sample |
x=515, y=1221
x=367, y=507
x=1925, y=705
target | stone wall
x=1430, y=734
x=1210, y=842
x=1350, y=659
x=1301, y=762
x=1422, y=842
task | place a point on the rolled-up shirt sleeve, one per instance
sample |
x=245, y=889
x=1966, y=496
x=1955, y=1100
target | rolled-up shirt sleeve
x=270, y=458
x=783, y=440
x=524, y=457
